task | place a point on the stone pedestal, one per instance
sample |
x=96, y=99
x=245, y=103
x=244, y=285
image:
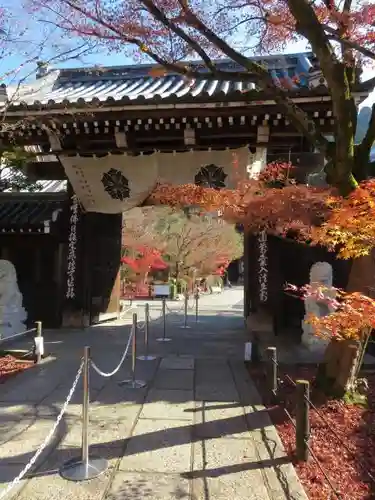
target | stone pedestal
x=12, y=321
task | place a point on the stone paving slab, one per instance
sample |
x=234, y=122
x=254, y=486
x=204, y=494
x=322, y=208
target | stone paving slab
x=174, y=379
x=177, y=363
x=131, y=485
x=7, y=473
x=235, y=463
x=171, y=404
x=225, y=392
x=217, y=419
x=159, y=446
x=197, y=431
x=53, y=487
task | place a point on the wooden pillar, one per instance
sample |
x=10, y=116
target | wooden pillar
x=96, y=294
x=246, y=276
x=74, y=307
x=103, y=274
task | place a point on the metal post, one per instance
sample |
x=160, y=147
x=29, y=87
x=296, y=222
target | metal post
x=133, y=383
x=164, y=338
x=302, y=420
x=271, y=373
x=146, y=356
x=185, y=325
x=39, y=345
x=196, y=305
x=85, y=407
x=164, y=319
x=84, y=467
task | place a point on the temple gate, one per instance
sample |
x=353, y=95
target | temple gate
x=115, y=132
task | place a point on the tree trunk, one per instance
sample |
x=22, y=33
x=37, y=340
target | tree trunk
x=338, y=372
x=177, y=273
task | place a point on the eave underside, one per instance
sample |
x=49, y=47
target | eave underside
x=137, y=131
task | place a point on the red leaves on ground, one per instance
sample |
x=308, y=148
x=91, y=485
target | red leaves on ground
x=355, y=427
x=10, y=366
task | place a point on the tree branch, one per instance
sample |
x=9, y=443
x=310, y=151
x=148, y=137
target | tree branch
x=297, y=116
x=160, y=16
x=254, y=72
x=334, y=35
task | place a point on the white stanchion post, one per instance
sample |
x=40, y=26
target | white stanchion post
x=38, y=343
x=133, y=383
x=164, y=338
x=84, y=467
x=147, y=356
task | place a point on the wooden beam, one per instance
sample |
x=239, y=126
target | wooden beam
x=121, y=140
x=189, y=136
x=53, y=140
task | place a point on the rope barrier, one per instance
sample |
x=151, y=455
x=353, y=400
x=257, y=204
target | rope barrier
x=21, y=334
x=294, y=423
x=113, y=372
x=133, y=383
x=290, y=417
x=38, y=348
x=334, y=490
x=351, y=452
x=175, y=311
x=123, y=313
x=43, y=446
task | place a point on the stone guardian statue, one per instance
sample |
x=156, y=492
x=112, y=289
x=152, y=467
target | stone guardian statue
x=320, y=276
x=12, y=313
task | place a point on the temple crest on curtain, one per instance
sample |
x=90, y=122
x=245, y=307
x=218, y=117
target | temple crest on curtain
x=211, y=176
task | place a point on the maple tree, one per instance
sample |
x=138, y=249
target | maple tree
x=350, y=229
x=187, y=242
x=255, y=205
x=317, y=215
x=146, y=259
x=353, y=313
x=340, y=33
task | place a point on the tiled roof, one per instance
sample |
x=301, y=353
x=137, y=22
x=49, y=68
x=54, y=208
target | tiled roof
x=45, y=186
x=135, y=84
x=29, y=212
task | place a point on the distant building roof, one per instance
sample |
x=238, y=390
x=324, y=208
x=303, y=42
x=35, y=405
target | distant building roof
x=45, y=186
x=135, y=84
x=30, y=212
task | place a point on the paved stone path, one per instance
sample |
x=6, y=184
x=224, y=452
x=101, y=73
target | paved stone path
x=198, y=431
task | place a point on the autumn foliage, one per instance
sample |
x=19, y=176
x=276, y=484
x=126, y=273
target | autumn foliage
x=171, y=33
x=145, y=260
x=350, y=228
x=254, y=204
x=317, y=216
x=353, y=313
x=197, y=243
